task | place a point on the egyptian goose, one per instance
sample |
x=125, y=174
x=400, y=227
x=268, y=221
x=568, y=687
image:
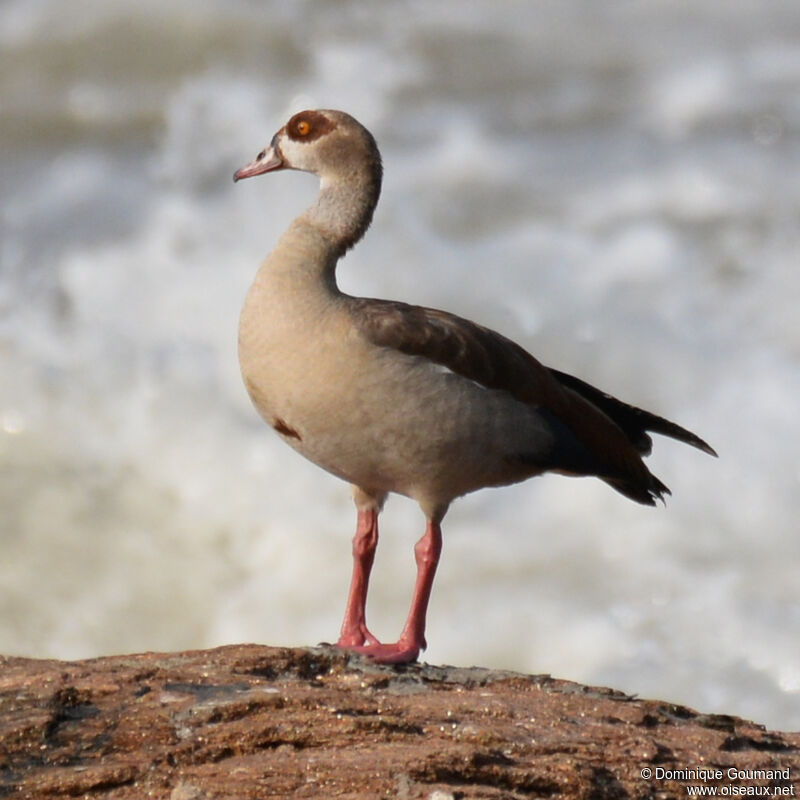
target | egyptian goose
x=397, y=398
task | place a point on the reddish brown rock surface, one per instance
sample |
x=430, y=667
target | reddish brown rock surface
x=256, y=722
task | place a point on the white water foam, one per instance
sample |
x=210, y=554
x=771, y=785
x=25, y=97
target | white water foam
x=616, y=191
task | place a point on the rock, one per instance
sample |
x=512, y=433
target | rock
x=246, y=721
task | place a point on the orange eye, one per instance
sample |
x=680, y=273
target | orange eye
x=303, y=127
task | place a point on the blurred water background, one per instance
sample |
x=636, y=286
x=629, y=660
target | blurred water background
x=616, y=185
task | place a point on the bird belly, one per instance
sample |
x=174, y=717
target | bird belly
x=388, y=422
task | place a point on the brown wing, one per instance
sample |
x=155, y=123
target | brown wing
x=462, y=346
x=492, y=360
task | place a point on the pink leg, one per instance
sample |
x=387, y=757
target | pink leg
x=354, y=631
x=412, y=639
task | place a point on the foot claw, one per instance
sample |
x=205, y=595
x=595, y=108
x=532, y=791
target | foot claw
x=397, y=653
x=358, y=637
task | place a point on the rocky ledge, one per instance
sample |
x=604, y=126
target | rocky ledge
x=248, y=721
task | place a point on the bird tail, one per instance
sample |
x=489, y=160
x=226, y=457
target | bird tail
x=634, y=422
x=648, y=496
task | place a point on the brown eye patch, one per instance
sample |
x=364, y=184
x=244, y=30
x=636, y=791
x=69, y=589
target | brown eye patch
x=308, y=126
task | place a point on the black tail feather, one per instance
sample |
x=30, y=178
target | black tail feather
x=634, y=491
x=634, y=423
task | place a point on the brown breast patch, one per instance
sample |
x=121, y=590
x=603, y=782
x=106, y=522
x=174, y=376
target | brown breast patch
x=285, y=430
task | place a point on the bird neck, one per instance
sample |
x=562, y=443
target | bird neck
x=304, y=259
x=345, y=204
